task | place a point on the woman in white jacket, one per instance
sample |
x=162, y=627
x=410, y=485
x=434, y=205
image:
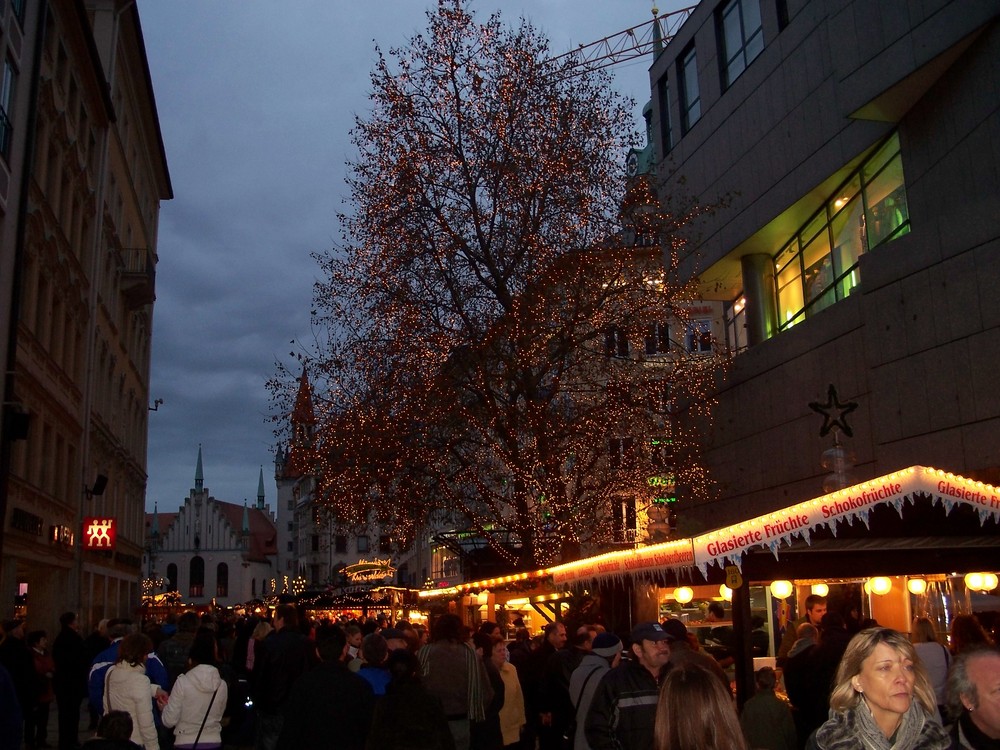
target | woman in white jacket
x=126, y=688
x=198, y=699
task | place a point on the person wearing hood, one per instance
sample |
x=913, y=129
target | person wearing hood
x=198, y=700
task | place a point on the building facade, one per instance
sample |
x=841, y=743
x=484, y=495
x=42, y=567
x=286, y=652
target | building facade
x=213, y=551
x=853, y=149
x=84, y=170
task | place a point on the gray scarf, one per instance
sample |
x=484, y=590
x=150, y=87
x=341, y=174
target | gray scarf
x=856, y=730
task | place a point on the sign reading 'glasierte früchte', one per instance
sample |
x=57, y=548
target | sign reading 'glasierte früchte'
x=773, y=530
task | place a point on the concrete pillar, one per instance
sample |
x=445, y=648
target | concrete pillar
x=761, y=296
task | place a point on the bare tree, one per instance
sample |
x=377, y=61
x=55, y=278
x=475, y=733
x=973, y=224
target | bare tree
x=474, y=322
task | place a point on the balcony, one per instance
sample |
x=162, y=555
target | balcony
x=138, y=277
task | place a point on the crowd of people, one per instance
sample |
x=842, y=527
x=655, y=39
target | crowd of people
x=287, y=682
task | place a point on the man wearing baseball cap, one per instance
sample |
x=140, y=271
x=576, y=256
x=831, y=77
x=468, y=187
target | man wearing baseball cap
x=623, y=711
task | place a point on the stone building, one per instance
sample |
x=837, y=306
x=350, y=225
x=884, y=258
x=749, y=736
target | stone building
x=854, y=148
x=211, y=550
x=82, y=175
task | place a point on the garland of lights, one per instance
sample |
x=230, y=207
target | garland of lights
x=462, y=366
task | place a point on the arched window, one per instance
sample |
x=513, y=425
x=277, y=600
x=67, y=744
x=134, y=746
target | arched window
x=197, y=577
x=253, y=588
x=222, y=580
x=172, y=577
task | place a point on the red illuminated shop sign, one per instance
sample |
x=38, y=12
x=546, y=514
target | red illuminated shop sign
x=98, y=533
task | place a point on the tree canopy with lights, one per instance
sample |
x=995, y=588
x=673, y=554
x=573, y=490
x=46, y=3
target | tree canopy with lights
x=500, y=333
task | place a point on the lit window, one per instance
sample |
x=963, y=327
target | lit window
x=819, y=265
x=741, y=35
x=690, y=94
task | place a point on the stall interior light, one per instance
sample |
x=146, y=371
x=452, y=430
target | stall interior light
x=726, y=593
x=981, y=581
x=916, y=586
x=880, y=585
x=820, y=589
x=683, y=594
x=781, y=589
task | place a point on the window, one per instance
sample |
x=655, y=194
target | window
x=623, y=518
x=196, y=578
x=620, y=452
x=741, y=37
x=362, y=544
x=314, y=542
x=660, y=454
x=222, y=580
x=172, y=577
x=384, y=544
x=657, y=339
x=698, y=336
x=615, y=342
x=666, y=126
x=340, y=544
x=690, y=94
x=6, y=101
x=819, y=265
x=291, y=526
x=289, y=547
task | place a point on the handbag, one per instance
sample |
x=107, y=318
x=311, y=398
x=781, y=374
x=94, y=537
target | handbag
x=204, y=719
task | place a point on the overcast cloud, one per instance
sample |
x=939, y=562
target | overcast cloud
x=256, y=100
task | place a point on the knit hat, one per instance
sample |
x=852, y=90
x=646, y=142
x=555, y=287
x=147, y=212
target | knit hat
x=606, y=644
x=675, y=629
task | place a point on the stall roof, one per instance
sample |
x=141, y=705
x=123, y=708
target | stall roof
x=939, y=518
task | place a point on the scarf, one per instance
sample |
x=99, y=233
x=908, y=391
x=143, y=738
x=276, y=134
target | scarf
x=474, y=668
x=856, y=730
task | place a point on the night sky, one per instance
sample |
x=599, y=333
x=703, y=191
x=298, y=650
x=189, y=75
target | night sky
x=256, y=100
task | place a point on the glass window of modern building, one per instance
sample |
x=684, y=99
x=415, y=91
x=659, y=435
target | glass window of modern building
x=818, y=266
x=740, y=35
x=690, y=93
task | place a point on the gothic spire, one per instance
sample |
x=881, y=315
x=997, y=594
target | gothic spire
x=199, y=473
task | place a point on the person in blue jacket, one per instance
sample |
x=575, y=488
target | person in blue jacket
x=155, y=671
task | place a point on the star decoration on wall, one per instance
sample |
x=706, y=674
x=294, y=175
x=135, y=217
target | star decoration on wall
x=834, y=413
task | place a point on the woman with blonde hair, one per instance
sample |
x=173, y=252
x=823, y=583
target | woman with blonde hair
x=882, y=699
x=695, y=712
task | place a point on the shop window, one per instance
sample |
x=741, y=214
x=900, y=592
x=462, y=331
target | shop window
x=740, y=35
x=819, y=265
x=689, y=91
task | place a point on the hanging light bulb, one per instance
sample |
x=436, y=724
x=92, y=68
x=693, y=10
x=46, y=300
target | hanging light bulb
x=726, y=593
x=974, y=581
x=781, y=589
x=881, y=585
x=989, y=581
x=820, y=589
x=683, y=594
x=916, y=586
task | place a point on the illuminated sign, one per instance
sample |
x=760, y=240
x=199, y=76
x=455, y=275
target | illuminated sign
x=99, y=533
x=376, y=570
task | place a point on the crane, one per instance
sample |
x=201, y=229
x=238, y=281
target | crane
x=629, y=44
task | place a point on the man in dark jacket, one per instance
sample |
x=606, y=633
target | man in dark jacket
x=16, y=657
x=173, y=651
x=328, y=701
x=283, y=657
x=70, y=680
x=623, y=711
